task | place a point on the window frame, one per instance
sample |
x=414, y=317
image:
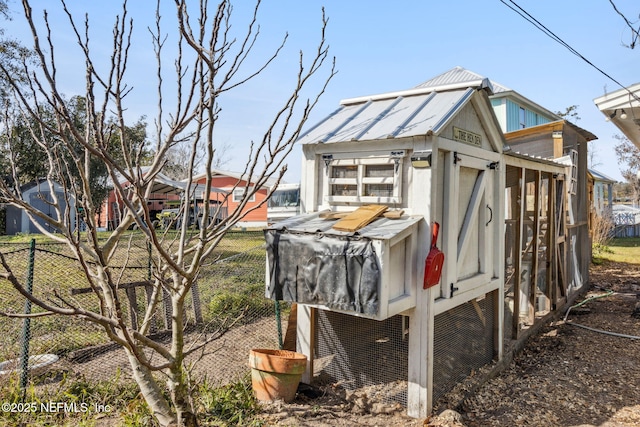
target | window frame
x=237, y=198
x=361, y=181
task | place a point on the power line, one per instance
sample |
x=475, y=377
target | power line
x=529, y=18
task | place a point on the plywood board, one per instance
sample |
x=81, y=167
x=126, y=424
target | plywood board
x=359, y=218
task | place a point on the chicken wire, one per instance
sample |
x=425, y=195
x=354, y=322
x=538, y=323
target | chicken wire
x=372, y=356
x=463, y=342
x=230, y=288
x=358, y=353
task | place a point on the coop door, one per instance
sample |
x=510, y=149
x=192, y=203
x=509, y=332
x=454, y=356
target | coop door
x=469, y=217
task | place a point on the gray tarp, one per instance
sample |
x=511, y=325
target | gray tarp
x=337, y=271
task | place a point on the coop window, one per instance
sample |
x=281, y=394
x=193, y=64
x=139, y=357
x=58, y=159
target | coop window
x=370, y=180
x=348, y=172
x=344, y=190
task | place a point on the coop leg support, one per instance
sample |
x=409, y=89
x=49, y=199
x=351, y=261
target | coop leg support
x=306, y=332
x=420, y=384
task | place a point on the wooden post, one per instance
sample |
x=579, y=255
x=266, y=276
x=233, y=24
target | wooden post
x=149, y=292
x=421, y=318
x=290, y=334
x=551, y=238
x=515, y=324
x=497, y=299
x=533, y=277
x=133, y=306
x=306, y=333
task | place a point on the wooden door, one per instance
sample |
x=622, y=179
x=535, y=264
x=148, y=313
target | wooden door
x=469, y=216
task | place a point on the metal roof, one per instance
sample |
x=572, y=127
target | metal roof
x=559, y=162
x=393, y=115
x=240, y=176
x=421, y=110
x=459, y=75
x=162, y=184
x=599, y=176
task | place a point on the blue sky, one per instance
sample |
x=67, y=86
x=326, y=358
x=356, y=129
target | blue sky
x=381, y=47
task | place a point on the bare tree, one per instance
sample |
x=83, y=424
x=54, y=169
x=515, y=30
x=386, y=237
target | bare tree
x=629, y=158
x=179, y=162
x=208, y=64
x=635, y=32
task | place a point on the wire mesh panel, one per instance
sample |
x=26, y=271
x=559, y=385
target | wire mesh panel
x=463, y=341
x=357, y=353
x=227, y=307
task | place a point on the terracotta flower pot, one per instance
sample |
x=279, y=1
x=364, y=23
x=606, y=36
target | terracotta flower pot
x=275, y=374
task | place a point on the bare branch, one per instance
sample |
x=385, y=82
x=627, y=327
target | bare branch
x=635, y=33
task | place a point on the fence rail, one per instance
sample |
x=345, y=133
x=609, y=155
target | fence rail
x=626, y=218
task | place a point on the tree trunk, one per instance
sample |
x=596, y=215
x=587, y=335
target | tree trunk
x=181, y=398
x=179, y=383
x=151, y=392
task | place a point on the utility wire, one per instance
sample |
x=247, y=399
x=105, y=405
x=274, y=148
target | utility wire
x=528, y=17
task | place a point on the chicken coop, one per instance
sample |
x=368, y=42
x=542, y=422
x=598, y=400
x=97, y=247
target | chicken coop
x=389, y=181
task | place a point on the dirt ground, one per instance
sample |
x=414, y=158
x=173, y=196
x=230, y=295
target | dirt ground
x=565, y=376
x=230, y=352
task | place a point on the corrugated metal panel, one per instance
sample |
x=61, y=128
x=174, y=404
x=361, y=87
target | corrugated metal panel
x=460, y=75
x=599, y=176
x=498, y=88
x=388, y=118
x=455, y=75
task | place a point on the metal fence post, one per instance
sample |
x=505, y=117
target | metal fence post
x=26, y=325
x=279, y=323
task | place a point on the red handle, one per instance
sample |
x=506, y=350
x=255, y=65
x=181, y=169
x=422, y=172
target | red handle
x=435, y=228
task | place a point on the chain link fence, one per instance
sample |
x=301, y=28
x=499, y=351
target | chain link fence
x=229, y=291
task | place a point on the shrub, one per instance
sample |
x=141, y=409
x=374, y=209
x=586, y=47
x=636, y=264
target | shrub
x=601, y=233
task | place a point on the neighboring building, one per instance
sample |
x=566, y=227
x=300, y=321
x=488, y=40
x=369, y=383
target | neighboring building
x=164, y=190
x=601, y=191
x=235, y=183
x=512, y=110
x=39, y=195
x=622, y=108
